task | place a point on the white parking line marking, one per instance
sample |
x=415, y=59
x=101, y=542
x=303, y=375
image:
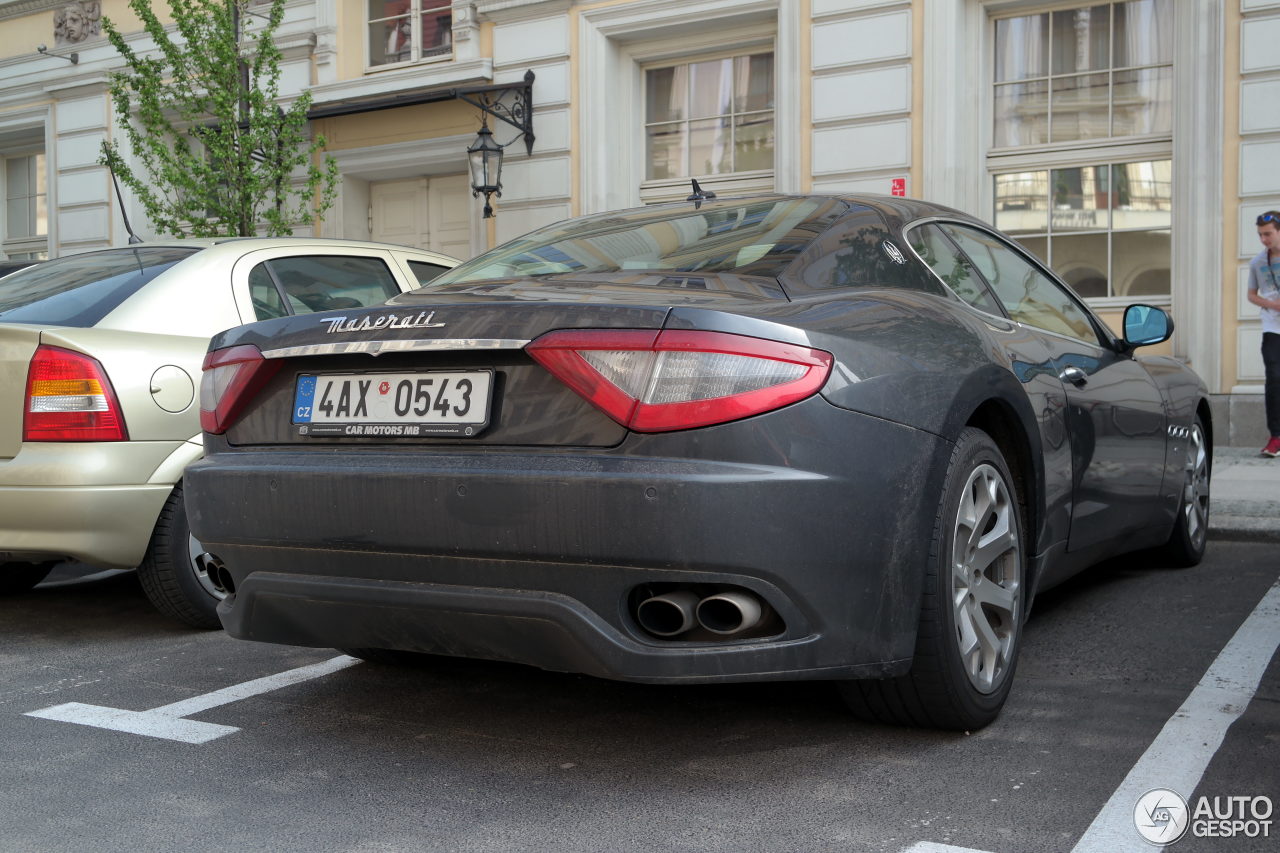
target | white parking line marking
x=166, y=721
x=1179, y=755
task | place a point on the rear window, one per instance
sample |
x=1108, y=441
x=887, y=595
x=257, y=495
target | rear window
x=306, y=283
x=80, y=290
x=758, y=237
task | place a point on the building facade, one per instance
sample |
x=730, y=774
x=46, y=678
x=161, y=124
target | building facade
x=1130, y=144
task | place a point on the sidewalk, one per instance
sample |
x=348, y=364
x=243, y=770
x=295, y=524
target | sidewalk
x=1244, y=495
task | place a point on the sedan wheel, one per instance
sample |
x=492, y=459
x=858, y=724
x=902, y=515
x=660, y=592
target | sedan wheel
x=973, y=605
x=175, y=571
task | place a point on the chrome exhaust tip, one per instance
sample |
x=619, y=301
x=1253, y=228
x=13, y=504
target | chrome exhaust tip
x=668, y=614
x=730, y=613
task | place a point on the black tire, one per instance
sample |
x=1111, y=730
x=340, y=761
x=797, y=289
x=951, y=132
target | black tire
x=1186, y=544
x=947, y=688
x=17, y=578
x=172, y=577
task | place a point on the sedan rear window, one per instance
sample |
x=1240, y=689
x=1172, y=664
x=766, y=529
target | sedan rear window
x=80, y=290
x=758, y=238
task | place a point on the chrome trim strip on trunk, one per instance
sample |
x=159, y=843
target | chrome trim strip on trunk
x=379, y=347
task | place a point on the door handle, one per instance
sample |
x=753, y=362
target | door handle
x=1075, y=376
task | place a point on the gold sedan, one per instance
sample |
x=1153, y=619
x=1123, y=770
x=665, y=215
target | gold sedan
x=100, y=358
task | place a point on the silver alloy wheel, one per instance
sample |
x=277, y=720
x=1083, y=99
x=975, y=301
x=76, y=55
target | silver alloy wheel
x=1195, y=489
x=986, y=592
x=201, y=563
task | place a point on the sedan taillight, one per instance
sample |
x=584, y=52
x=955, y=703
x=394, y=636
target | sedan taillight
x=70, y=398
x=657, y=381
x=231, y=377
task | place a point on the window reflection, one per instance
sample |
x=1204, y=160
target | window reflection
x=1081, y=39
x=1107, y=66
x=1143, y=102
x=1022, y=114
x=710, y=118
x=1080, y=108
x=1103, y=228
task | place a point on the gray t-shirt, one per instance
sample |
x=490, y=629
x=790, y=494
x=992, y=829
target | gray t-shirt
x=1264, y=277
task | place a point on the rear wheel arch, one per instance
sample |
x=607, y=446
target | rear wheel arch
x=1206, y=421
x=1012, y=435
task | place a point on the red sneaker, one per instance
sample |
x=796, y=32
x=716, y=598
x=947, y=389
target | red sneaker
x=1273, y=448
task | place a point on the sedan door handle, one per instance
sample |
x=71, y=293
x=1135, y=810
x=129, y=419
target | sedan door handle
x=1075, y=376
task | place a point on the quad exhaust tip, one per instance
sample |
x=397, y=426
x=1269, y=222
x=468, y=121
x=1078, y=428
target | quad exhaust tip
x=669, y=614
x=729, y=613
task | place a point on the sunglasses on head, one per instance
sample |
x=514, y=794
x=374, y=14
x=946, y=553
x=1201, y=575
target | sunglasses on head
x=1269, y=217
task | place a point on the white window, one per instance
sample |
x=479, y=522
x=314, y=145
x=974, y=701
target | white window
x=1082, y=143
x=26, y=214
x=409, y=30
x=709, y=119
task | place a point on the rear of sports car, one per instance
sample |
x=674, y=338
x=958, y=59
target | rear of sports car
x=634, y=477
x=601, y=489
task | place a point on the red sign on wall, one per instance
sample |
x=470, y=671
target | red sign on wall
x=898, y=186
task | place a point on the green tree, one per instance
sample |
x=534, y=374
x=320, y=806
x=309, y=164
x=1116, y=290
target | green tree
x=214, y=154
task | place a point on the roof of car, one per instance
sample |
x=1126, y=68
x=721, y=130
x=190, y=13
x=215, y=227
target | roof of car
x=897, y=209
x=242, y=244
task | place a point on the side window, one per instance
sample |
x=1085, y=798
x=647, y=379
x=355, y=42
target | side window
x=1027, y=294
x=331, y=282
x=424, y=271
x=266, y=299
x=955, y=270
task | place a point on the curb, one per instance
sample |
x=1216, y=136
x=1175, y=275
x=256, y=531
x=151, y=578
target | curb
x=1244, y=529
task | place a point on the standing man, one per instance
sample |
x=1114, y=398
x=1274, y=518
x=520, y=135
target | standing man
x=1264, y=291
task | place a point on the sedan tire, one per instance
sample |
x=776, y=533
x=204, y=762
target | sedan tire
x=174, y=573
x=973, y=608
x=20, y=577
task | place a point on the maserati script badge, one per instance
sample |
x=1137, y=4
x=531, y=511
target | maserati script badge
x=421, y=320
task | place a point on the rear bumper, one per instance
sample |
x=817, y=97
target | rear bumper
x=536, y=557
x=550, y=630
x=85, y=501
x=107, y=526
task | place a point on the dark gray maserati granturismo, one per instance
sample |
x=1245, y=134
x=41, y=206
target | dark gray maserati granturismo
x=776, y=437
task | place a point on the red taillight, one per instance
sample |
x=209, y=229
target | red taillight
x=656, y=381
x=231, y=377
x=69, y=398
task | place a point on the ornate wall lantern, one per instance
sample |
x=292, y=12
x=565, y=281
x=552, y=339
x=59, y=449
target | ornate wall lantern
x=485, y=158
x=511, y=104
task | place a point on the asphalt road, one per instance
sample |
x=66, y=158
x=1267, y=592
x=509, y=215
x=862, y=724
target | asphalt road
x=474, y=756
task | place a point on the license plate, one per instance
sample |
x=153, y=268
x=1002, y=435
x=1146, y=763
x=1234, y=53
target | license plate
x=393, y=404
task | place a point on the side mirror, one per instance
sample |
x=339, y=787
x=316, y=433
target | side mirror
x=1145, y=325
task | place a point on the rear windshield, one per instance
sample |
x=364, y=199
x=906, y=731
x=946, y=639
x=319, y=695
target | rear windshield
x=80, y=290
x=758, y=237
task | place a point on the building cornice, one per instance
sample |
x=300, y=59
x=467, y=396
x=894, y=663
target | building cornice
x=509, y=9
x=19, y=8
x=411, y=79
